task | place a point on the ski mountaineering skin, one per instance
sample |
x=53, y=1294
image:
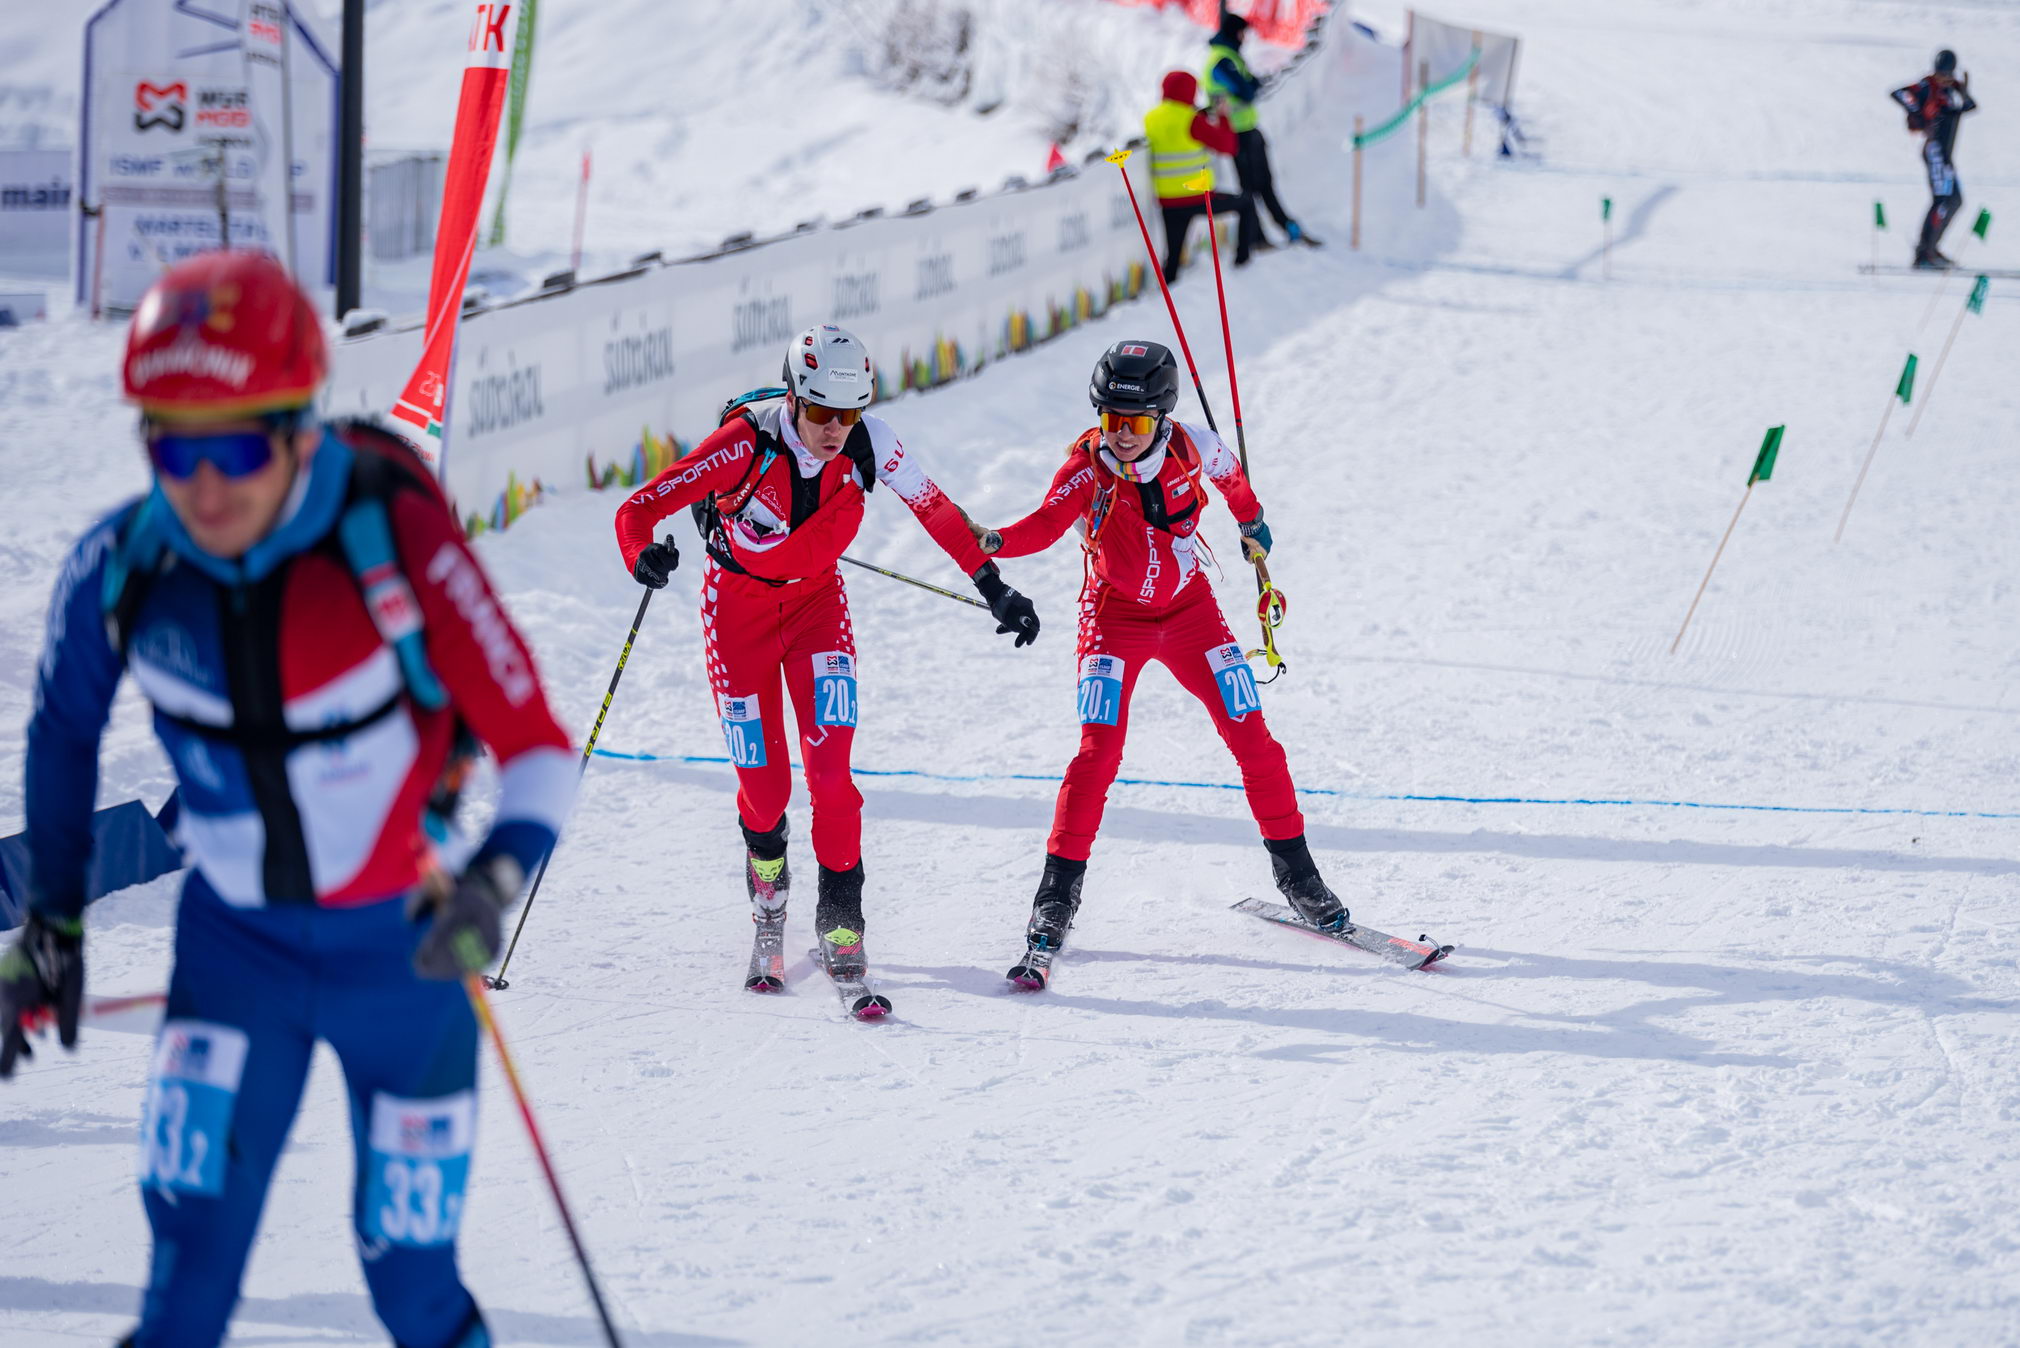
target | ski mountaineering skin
x=778, y=493
x=317, y=641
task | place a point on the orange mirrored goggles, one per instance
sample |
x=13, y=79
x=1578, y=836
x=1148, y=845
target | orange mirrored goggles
x=821, y=416
x=1137, y=423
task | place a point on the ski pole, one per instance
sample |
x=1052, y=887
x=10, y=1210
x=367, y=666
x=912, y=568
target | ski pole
x=497, y=980
x=894, y=575
x=1157, y=270
x=474, y=985
x=1270, y=602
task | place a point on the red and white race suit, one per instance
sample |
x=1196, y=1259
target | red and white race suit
x=1145, y=599
x=787, y=519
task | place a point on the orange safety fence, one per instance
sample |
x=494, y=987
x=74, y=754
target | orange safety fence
x=1283, y=22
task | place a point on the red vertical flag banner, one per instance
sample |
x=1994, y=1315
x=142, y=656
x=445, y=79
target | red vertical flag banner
x=487, y=73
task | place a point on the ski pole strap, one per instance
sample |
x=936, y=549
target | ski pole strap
x=1270, y=607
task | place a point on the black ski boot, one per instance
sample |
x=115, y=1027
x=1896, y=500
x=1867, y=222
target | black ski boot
x=1298, y=880
x=838, y=921
x=766, y=877
x=1057, y=901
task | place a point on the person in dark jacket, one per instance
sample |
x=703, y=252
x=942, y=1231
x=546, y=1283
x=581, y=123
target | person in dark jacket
x=1230, y=84
x=1934, y=105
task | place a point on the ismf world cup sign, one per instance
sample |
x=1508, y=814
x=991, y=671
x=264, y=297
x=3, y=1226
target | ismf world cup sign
x=190, y=114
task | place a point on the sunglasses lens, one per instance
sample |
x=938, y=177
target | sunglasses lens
x=234, y=455
x=821, y=416
x=1137, y=423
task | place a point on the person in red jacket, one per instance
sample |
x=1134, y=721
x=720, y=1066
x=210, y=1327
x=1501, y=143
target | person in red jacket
x=1136, y=487
x=780, y=492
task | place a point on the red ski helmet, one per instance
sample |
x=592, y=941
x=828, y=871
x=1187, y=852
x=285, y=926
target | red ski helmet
x=224, y=335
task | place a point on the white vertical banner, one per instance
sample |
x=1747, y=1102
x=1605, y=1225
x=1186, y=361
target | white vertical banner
x=176, y=93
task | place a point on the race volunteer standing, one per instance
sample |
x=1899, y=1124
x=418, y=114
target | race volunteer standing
x=781, y=487
x=297, y=603
x=1136, y=487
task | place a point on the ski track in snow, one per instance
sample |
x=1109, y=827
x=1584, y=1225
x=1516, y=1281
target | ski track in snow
x=1692, y=1077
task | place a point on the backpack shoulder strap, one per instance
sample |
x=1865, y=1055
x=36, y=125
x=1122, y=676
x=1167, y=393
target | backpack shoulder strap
x=138, y=555
x=382, y=466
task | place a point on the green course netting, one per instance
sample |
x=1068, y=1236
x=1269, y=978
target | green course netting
x=1402, y=114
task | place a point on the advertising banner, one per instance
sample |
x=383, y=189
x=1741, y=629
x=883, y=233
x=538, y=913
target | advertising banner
x=185, y=138
x=36, y=202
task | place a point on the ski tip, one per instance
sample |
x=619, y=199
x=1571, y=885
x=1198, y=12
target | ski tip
x=1031, y=980
x=765, y=983
x=871, y=1006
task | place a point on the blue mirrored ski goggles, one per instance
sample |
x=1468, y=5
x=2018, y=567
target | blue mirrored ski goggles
x=234, y=454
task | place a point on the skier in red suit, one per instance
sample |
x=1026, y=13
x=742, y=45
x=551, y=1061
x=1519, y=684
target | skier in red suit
x=1136, y=487
x=779, y=495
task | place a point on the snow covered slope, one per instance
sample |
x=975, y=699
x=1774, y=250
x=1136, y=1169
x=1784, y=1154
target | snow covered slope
x=1703, y=1072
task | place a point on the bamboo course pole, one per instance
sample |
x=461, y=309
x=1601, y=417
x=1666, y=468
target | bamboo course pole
x=1354, y=239
x=1423, y=126
x=1973, y=302
x=1904, y=391
x=1472, y=92
x=1763, y=468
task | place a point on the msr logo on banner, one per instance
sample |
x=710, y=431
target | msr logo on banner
x=159, y=105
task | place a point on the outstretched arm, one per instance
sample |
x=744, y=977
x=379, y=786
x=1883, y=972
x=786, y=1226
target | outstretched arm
x=1072, y=487
x=933, y=508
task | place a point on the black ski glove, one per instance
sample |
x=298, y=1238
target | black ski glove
x=467, y=917
x=1012, y=611
x=656, y=564
x=41, y=977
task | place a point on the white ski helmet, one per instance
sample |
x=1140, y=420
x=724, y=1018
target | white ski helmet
x=830, y=366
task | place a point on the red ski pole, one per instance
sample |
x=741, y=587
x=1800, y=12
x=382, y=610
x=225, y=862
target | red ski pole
x=1270, y=602
x=474, y=985
x=1157, y=270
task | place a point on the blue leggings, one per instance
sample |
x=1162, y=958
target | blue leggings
x=253, y=991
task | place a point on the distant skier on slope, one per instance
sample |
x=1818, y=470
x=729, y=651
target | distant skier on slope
x=297, y=602
x=1934, y=105
x=1135, y=486
x=780, y=491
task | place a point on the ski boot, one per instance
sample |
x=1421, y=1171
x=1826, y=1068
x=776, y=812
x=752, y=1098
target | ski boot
x=838, y=922
x=1052, y=911
x=1931, y=260
x=768, y=880
x=1298, y=880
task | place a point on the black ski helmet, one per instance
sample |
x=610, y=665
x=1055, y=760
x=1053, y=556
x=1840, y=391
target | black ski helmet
x=1134, y=376
x=1946, y=62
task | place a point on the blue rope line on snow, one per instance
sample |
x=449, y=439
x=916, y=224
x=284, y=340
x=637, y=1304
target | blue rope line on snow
x=718, y=760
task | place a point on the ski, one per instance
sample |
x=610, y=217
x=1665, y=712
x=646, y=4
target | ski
x=1418, y=954
x=768, y=957
x=859, y=999
x=1996, y=273
x=1034, y=971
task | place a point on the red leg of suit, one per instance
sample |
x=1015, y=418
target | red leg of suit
x=754, y=633
x=1185, y=638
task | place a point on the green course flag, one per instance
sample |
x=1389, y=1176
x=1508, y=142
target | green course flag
x=1606, y=208
x=1976, y=304
x=515, y=111
x=1879, y=216
x=1905, y=390
x=1982, y=223
x=1764, y=462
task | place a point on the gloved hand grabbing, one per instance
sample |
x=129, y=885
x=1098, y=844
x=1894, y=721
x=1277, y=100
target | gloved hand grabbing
x=41, y=977
x=1012, y=611
x=1255, y=539
x=467, y=915
x=656, y=564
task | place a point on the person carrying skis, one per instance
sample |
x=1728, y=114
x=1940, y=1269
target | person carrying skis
x=1136, y=487
x=1934, y=104
x=1183, y=141
x=297, y=602
x=779, y=490
x=1230, y=86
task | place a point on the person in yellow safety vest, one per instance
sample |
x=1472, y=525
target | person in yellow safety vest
x=1230, y=85
x=1183, y=141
